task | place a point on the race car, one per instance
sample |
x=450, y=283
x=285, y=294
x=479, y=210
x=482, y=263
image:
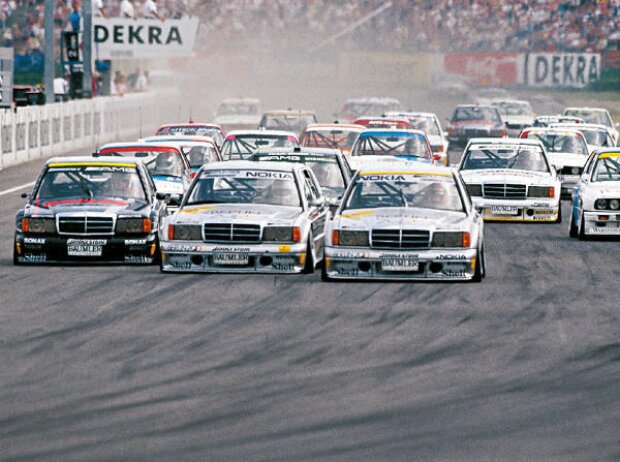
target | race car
x=595, y=115
x=240, y=144
x=370, y=106
x=596, y=202
x=383, y=122
x=168, y=166
x=546, y=120
x=238, y=113
x=412, y=222
x=192, y=128
x=472, y=121
x=406, y=145
x=242, y=216
x=428, y=122
x=511, y=179
x=516, y=114
x=597, y=136
x=330, y=167
x=484, y=96
x=85, y=209
x=331, y=136
x=199, y=150
x=566, y=149
x=293, y=120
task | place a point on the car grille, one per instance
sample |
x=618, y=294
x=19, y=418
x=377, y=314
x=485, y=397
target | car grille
x=400, y=239
x=569, y=171
x=504, y=191
x=228, y=232
x=85, y=225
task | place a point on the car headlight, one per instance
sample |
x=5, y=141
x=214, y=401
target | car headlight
x=451, y=239
x=350, y=238
x=600, y=204
x=575, y=170
x=541, y=191
x=282, y=234
x=134, y=225
x=38, y=225
x=474, y=189
x=614, y=204
x=184, y=232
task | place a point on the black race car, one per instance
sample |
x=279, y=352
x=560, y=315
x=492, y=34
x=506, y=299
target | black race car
x=85, y=209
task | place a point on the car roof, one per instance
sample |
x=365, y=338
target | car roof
x=566, y=130
x=287, y=112
x=260, y=132
x=412, y=167
x=523, y=141
x=251, y=165
x=580, y=126
x=137, y=144
x=586, y=108
x=481, y=106
x=350, y=127
x=373, y=99
x=411, y=114
x=615, y=150
x=177, y=138
x=191, y=124
x=509, y=100
x=242, y=99
x=93, y=160
x=392, y=131
x=301, y=151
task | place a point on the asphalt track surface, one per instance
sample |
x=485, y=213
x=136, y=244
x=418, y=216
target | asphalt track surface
x=125, y=363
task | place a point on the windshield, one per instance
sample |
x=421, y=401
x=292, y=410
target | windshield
x=591, y=117
x=199, y=155
x=561, y=142
x=404, y=190
x=325, y=168
x=606, y=169
x=93, y=182
x=426, y=124
x=333, y=139
x=392, y=144
x=476, y=114
x=514, y=157
x=513, y=109
x=166, y=164
x=289, y=122
x=245, y=187
x=237, y=109
x=597, y=137
x=190, y=130
x=242, y=146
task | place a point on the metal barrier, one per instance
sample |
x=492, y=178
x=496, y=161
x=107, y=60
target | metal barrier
x=36, y=132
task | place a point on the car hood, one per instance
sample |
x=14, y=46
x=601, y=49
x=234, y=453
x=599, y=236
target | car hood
x=83, y=206
x=401, y=217
x=604, y=189
x=238, y=213
x=504, y=176
x=566, y=159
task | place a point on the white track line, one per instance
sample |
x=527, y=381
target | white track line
x=16, y=188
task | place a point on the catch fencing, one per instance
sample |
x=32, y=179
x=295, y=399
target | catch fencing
x=35, y=132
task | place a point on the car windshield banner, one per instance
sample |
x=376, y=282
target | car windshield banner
x=124, y=38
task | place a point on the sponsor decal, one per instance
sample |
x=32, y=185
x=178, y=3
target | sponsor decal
x=35, y=257
x=354, y=215
x=561, y=69
x=505, y=147
x=604, y=230
x=197, y=209
x=135, y=259
x=454, y=274
x=274, y=175
x=231, y=249
x=284, y=248
x=488, y=69
x=452, y=257
x=181, y=265
x=135, y=241
x=81, y=201
x=34, y=240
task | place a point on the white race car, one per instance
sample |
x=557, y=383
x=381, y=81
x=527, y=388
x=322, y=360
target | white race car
x=412, y=222
x=511, y=180
x=242, y=216
x=567, y=151
x=597, y=136
x=595, y=115
x=596, y=202
x=515, y=113
x=239, y=113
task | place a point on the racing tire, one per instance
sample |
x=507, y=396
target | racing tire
x=582, y=230
x=573, y=231
x=478, y=273
x=559, y=220
x=324, y=276
x=157, y=256
x=16, y=261
x=309, y=265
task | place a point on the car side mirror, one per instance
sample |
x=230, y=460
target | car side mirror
x=162, y=196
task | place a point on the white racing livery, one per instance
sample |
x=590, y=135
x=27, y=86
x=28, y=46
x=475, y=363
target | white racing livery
x=407, y=222
x=242, y=216
x=567, y=150
x=596, y=202
x=511, y=180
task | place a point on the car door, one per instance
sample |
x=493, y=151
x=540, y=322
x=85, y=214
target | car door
x=317, y=211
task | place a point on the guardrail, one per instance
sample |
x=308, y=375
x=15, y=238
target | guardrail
x=36, y=132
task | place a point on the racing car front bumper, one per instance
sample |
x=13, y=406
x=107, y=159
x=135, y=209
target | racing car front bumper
x=601, y=223
x=569, y=184
x=424, y=265
x=81, y=249
x=199, y=257
x=528, y=210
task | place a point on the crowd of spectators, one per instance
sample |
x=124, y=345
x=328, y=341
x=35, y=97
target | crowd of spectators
x=422, y=25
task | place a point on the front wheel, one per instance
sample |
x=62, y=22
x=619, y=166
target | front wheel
x=573, y=231
x=478, y=271
x=16, y=261
x=559, y=220
x=582, y=229
x=309, y=264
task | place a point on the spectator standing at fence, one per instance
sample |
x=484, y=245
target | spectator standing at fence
x=75, y=16
x=127, y=10
x=141, y=81
x=61, y=89
x=99, y=9
x=150, y=10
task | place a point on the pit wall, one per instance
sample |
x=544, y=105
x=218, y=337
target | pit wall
x=36, y=132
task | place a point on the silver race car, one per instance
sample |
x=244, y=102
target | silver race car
x=511, y=180
x=412, y=222
x=242, y=216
